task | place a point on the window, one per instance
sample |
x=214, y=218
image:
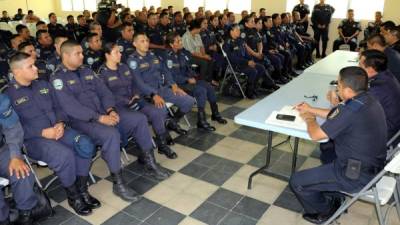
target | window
x=148, y=3
x=215, y=5
x=237, y=6
x=91, y=5
x=194, y=5
x=77, y=5
x=135, y=5
x=363, y=9
x=66, y=5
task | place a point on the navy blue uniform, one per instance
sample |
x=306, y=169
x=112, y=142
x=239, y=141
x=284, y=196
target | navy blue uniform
x=348, y=28
x=56, y=30
x=253, y=39
x=155, y=79
x=209, y=39
x=43, y=70
x=304, y=11
x=44, y=53
x=126, y=48
x=53, y=62
x=178, y=64
x=155, y=35
x=393, y=61
x=84, y=98
x=321, y=16
x=180, y=28
x=94, y=59
x=81, y=32
x=10, y=145
x=72, y=31
x=37, y=108
x=358, y=129
x=123, y=85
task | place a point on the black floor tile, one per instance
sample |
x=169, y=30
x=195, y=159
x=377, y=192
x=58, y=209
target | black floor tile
x=55, y=184
x=142, y=184
x=258, y=208
x=57, y=194
x=225, y=198
x=209, y=213
x=259, y=159
x=194, y=170
x=122, y=218
x=236, y=219
x=206, y=141
x=61, y=215
x=127, y=174
x=75, y=220
x=165, y=216
x=207, y=160
x=185, y=140
x=228, y=100
x=288, y=201
x=231, y=112
x=251, y=135
x=216, y=177
x=142, y=209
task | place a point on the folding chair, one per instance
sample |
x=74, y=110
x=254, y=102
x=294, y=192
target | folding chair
x=344, y=47
x=379, y=190
x=391, y=145
x=230, y=72
x=3, y=181
x=169, y=105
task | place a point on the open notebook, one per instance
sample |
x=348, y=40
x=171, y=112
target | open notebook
x=297, y=124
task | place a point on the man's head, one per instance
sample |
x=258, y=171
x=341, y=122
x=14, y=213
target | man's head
x=296, y=16
x=234, y=31
x=28, y=48
x=71, y=54
x=386, y=26
x=52, y=18
x=30, y=12
x=378, y=16
x=164, y=19
x=393, y=35
x=58, y=41
x=178, y=17
x=4, y=13
x=86, y=14
x=352, y=81
x=188, y=17
x=70, y=19
x=15, y=40
x=262, y=12
x=284, y=18
x=81, y=20
x=127, y=31
x=373, y=62
x=94, y=41
x=141, y=42
x=44, y=38
x=40, y=25
x=23, y=68
x=350, y=14
x=244, y=14
x=195, y=26
x=19, y=11
x=231, y=17
x=23, y=31
x=322, y=1
x=276, y=19
x=152, y=19
x=377, y=42
x=95, y=27
x=301, y=1
x=249, y=22
x=267, y=22
x=174, y=41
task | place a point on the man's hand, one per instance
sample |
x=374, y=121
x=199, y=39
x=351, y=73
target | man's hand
x=18, y=167
x=50, y=133
x=191, y=81
x=107, y=120
x=332, y=97
x=251, y=63
x=114, y=115
x=178, y=91
x=158, y=101
x=207, y=57
x=59, y=130
x=303, y=107
x=306, y=116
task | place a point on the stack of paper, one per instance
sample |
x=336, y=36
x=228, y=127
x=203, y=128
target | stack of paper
x=297, y=124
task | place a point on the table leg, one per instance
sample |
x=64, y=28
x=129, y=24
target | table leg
x=294, y=157
x=267, y=160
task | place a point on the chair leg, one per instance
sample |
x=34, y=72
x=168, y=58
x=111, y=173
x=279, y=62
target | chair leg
x=397, y=197
x=33, y=171
x=223, y=81
x=187, y=121
x=378, y=209
x=50, y=183
x=92, y=178
x=125, y=154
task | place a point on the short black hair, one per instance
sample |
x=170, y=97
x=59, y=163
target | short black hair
x=186, y=15
x=39, y=33
x=170, y=39
x=177, y=13
x=375, y=59
x=284, y=15
x=51, y=14
x=18, y=57
x=108, y=47
x=246, y=19
x=24, y=45
x=67, y=45
x=195, y=24
x=377, y=39
x=40, y=22
x=355, y=78
x=274, y=16
x=388, y=25
x=137, y=34
x=90, y=36
x=125, y=25
x=150, y=15
x=70, y=16
x=163, y=14
x=261, y=9
x=20, y=27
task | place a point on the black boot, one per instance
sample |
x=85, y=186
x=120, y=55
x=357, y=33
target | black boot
x=169, y=139
x=122, y=190
x=81, y=184
x=76, y=202
x=161, y=141
x=151, y=168
x=215, y=115
x=24, y=218
x=5, y=222
x=250, y=89
x=172, y=124
x=202, y=122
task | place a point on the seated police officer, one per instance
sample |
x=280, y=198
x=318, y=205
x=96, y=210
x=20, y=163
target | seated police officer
x=94, y=27
x=91, y=109
x=94, y=55
x=54, y=28
x=155, y=81
x=235, y=49
x=123, y=84
x=372, y=28
x=55, y=60
x=45, y=48
x=13, y=167
x=125, y=42
x=177, y=60
x=358, y=127
x=43, y=71
x=348, y=32
x=66, y=151
x=155, y=34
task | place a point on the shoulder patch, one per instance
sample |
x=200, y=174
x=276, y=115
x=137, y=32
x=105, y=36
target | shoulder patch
x=58, y=84
x=133, y=65
x=121, y=48
x=243, y=35
x=169, y=64
x=50, y=67
x=90, y=61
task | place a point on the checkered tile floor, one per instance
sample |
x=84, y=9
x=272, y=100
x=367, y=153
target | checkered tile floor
x=209, y=183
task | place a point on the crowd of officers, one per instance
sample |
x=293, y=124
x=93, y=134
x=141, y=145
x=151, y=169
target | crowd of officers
x=76, y=90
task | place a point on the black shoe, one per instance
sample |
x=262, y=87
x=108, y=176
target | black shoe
x=315, y=218
x=76, y=202
x=202, y=122
x=323, y=55
x=24, y=218
x=215, y=115
x=169, y=139
x=173, y=125
x=318, y=56
x=81, y=184
x=122, y=190
x=294, y=74
x=5, y=222
x=151, y=168
x=320, y=218
x=163, y=147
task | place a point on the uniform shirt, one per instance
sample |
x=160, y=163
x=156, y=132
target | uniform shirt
x=126, y=48
x=19, y=16
x=44, y=53
x=396, y=46
x=140, y=26
x=81, y=32
x=268, y=40
x=236, y=52
x=358, y=129
x=180, y=28
x=304, y=10
x=5, y=19
x=53, y=62
x=14, y=137
x=386, y=89
x=94, y=59
x=121, y=82
x=81, y=94
x=179, y=65
x=56, y=30
x=208, y=39
x=43, y=70
x=349, y=27
x=155, y=35
x=372, y=29
x=165, y=30
x=192, y=44
x=300, y=28
x=36, y=107
x=152, y=74
x=279, y=36
x=251, y=37
x=72, y=31
x=222, y=32
x=393, y=61
x=322, y=14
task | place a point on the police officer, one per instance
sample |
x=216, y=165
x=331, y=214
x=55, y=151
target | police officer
x=321, y=18
x=94, y=27
x=125, y=42
x=372, y=28
x=71, y=28
x=179, y=25
x=177, y=61
x=55, y=28
x=66, y=151
x=304, y=11
x=55, y=60
x=24, y=32
x=165, y=25
x=155, y=81
x=235, y=49
x=155, y=34
x=13, y=167
x=45, y=48
x=94, y=55
x=82, y=29
x=348, y=32
x=43, y=71
x=91, y=107
x=122, y=83
x=223, y=28
x=358, y=128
